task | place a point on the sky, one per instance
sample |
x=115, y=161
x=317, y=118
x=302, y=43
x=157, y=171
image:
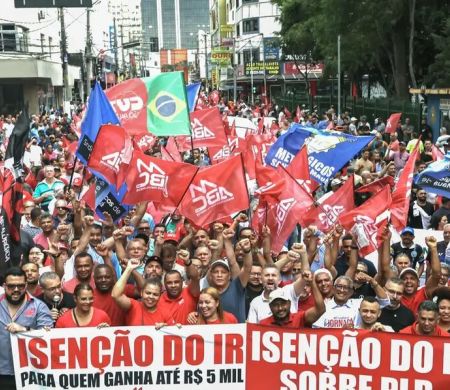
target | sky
x=75, y=20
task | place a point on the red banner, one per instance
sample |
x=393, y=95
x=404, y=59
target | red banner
x=326, y=359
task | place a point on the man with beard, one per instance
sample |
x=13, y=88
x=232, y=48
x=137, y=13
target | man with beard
x=259, y=307
x=177, y=301
x=407, y=246
x=48, y=232
x=153, y=268
x=369, y=312
x=32, y=273
x=254, y=286
x=19, y=312
x=57, y=300
x=396, y=315
x=280, y=305
x=104, y=279
x=420, y=211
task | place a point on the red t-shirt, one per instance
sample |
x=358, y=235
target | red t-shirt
x=295, y=321
x=180, y=307
x=228, y=318
x=70, y=285
x=105, y=302
x=67, y=320
x=308, y=303
x=138, y=315
x=412, y=330
x=413, y=302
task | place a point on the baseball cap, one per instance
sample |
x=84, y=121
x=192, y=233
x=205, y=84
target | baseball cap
x=172, y=237
x=352, y=119
x=279, y=293
x=409, y=270
x=222, y=262
x=149, y=259
x=407, y=230
x=336, y=182
x=402, y=143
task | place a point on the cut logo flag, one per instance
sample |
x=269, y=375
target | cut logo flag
x=402, y=193
x=99, y=112
x=111, y=154
x=299, y=169
x=392, y=123
x=327, y=214
x=156, y=180
x=207, y=130
x=108, y=200
x=216, y=192
x=366, y=222
x=436, y=178
x=328, y=151
x=156, y=104
x=377, y=185
x=192, y=91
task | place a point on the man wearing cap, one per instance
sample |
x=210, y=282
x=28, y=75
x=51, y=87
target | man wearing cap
x=400, y=158
x=413, y=296
x=280, y=306
x=407, y=246
x=427, y=321
x=153, y=268
x=232, y=291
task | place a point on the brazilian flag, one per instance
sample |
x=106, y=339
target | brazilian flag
x=167, y=105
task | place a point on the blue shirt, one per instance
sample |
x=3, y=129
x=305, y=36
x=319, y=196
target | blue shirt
x=33, y=314
x=233, y=299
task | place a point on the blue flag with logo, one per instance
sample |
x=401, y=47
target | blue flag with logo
x=192, y=91
x=328, y=151
x=436, y=177
x=99, y=112
x=109, y=200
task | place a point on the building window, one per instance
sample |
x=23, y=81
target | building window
x=249, y=1
x=250, y=26
x=247, y=55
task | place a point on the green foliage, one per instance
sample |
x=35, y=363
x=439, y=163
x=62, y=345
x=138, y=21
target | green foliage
x=375, y=37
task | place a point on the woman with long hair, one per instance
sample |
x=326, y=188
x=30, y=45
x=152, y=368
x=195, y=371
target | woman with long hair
x=210, y=309
x=83, y=314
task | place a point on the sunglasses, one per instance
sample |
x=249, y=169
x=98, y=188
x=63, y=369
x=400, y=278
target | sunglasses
x=15, y=286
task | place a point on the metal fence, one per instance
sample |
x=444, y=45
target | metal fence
x=371, y=108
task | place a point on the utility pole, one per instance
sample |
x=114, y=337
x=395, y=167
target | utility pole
x=339, y=73
x=235, y=65
x=123, y=50
x=264, y=66
x=206, y=63
x=251, y=73
x=88, y=52
x=64, y=58
x=116, y=51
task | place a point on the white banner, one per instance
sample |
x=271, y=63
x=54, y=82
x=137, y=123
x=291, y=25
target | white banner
x=134, y=358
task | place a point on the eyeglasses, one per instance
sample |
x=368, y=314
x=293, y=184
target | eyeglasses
x=58, y=287
x=296, y=270
x=341, y=287
x=15, y=286
x=61, y=207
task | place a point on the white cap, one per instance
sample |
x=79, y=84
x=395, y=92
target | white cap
x=279, y=293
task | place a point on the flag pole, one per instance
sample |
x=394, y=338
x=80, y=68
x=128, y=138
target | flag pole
x=182, y=197
x=246, y=186
x=71, y=175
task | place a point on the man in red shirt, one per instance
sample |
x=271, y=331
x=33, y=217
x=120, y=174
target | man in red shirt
x=427, y=321
x=412, y=295
x=280, y=305
x=177, y=301
x=84, y=266
x=104, y=279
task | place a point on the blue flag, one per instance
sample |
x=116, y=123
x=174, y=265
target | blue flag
x=192, y=91
x=328, y=151
x=99, y=112
x=436, y=177
x=108, y=200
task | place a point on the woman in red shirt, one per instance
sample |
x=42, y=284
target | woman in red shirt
x=83, y=314
x=210, y=309
x=145, y=311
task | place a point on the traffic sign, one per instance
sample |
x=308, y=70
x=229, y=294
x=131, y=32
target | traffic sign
x=52, y=3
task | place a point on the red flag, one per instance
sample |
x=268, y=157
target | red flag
x=299, y=169
x=365, y=221
x=207, y=130
x=402, y=192
x=216, y=192
x=391, y=125
x=261, y=125
x=271, y=183
x=233, y=130
x=283, y=216
x=327, y=214
x=111, y=153
x=145, y=140
x=377, y=185
x=214, y=98
x=152, y=179
x=170, y=152
x=436, y=153
x=287, y=113
x=218, y=155
x=89, y=197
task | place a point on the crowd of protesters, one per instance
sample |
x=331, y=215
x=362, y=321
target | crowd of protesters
x=158, y=270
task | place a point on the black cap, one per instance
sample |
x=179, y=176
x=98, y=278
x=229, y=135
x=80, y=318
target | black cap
x=149, y=259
